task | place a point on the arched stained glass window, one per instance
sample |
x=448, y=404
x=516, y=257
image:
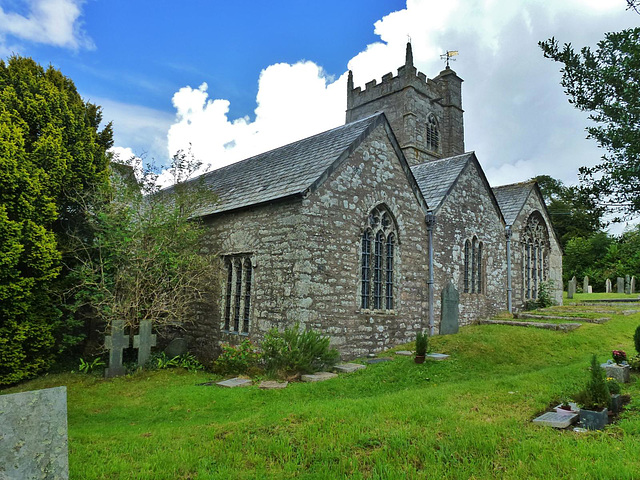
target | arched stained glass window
x=535, y=245
x=377, y=261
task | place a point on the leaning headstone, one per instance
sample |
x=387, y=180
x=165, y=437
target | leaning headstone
x=585, y=285
x=607, y=286
x=115, y=343
x=450, y=311
x=33, y=435
x=176, y=347
x=144, y=341
x=620, y=285
x=633, y=285
x=571, y=289
x=627, y=284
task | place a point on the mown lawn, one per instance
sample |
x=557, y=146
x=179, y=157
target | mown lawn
x=467, y=417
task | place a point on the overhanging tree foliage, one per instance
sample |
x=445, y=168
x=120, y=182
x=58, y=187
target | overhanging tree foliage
x=606, y=82
x=50, y=150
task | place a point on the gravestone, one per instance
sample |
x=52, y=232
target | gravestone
x=633, y=285
x=318, y=377
x=348, y=367
x=450, y=311
x=144, y=341
x=627, y=284
x=33, y=435
x=607, y=286
x=585, y=285
x=620, y=285
x=176, y=347
x=571, y=288
x=235, y=382
x=115, y=343
x=556, y=420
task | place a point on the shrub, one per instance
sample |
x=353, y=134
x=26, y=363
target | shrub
x=294, y=352
x=90, y=367
x=635, y=363
x=596, y=395
x=544, y=294
x=613, y=386
x=421, y=344
x=160, y=361
x=237, y=359
x=636, y=339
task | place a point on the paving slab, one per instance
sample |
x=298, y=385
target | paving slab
x=235, y=382
x=405, y=353
x=556, y=420
x=373, y=361
x=318, y=377
x=349, y=367
x=272, y=385
x=437, y=356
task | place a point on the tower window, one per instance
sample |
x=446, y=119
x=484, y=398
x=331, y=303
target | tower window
x=433, y=135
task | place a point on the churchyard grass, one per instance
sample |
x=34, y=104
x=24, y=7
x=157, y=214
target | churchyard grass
x=466, y=417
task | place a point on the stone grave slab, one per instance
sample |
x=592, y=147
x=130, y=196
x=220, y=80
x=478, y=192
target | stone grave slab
x=450, y=311
x=318, y=377
x=176, y=347
x=437, y=356
x=620, y=372
x=556, y=420
x=373, y=361
x=620, y=285
x=272, y=385
x=144, y=341
x=235, y=382
x=405, y=353
x=33, y=435
x=349, y=367
x=115, y=343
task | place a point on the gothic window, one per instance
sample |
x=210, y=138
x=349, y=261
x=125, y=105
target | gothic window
x=473, y=275
x=237, y=294
x=467, y=246
x=377, y=261
x=433, y=134
x=535, y=244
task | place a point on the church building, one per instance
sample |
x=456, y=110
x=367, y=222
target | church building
x=356, y=231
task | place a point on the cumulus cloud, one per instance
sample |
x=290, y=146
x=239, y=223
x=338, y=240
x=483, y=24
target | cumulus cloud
x=52, y=22
x=517, y=118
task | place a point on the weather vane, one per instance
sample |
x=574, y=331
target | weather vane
x=448, y=56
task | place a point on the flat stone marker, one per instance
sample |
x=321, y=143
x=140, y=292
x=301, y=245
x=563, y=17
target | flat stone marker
x=556, y=420
x=33, y=435
x=349, y=367
x=607, y=286
x=144, y=341
x=437, y=356
x=620, y=285
x=272, y=385
x=405, y=353
x=176, y=347
x=373, y=361
x=115, y=343
x=318, y=377
x=235, y=382
x=450, y=311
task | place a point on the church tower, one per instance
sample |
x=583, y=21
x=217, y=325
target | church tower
x=426, y=114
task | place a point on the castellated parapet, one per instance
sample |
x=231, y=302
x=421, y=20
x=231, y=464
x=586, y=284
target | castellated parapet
x=425, y=114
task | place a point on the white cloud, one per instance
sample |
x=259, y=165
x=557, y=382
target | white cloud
x=52, y=22
x=517, y=118
x=293, y=102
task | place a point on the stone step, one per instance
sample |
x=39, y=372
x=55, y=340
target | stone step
x=565, y=327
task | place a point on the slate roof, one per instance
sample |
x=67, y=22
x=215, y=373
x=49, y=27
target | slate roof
x=511, y=199
x=436, y=177
x=285, y=171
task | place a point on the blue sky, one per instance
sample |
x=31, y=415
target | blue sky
x=235, y=78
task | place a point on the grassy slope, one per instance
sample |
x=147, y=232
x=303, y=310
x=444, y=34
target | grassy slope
x=467, y=417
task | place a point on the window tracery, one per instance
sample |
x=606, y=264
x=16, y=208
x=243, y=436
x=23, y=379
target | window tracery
x=433, y=133
x=535, y=265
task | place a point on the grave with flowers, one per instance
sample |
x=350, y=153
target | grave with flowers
x=618, y=368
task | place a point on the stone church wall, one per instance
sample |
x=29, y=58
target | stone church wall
x=467, y=211
x=337, y=214
x=517, y=253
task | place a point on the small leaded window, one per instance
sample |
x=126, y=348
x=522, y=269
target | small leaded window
x=433, y=135
x=474, y=265
x=377, y=266
x=479, y=281
x=237, y=294
x=467, y=246
x=473, y=275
